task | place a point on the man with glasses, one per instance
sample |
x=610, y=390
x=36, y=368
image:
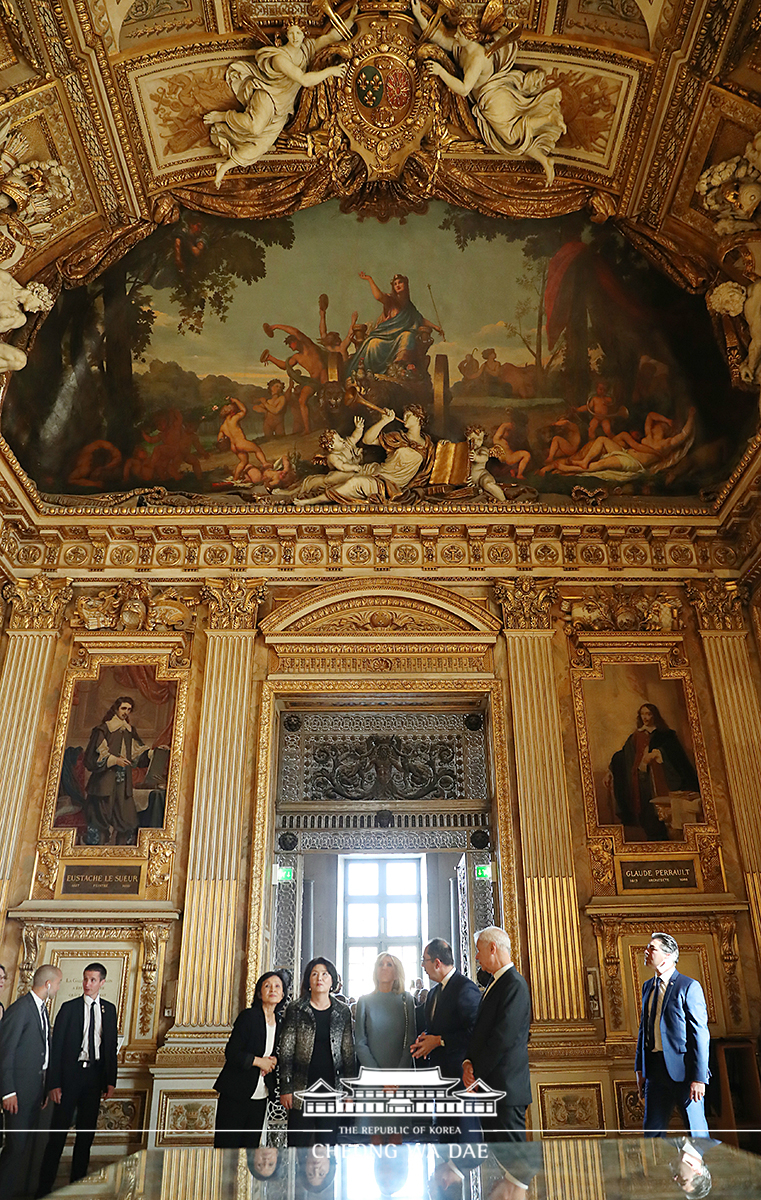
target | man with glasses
x=449, y=1014
x=672, y=1048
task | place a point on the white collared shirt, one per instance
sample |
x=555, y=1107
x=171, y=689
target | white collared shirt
x=447, y=977
x=498, y=975
x=45, y=1022
x=84, y=1052
x=656, y=997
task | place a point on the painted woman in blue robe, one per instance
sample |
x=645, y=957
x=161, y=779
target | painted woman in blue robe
x=395, y=336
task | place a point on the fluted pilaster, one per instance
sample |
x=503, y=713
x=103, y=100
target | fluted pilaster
x=37, y=608
x=22, y=690
x=204, y=995
x=552, y=906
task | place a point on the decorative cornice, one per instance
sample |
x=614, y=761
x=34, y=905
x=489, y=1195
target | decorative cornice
x=718, y=605
x=233, y=603
x=526, y=603
x=37, y=604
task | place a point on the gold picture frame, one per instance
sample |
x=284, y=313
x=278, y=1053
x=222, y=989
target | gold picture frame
x=663, y=660
x=57, y=846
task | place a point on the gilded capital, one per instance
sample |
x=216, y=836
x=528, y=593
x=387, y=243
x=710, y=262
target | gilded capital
x=718, y=605
x=526, y=603
x=233, y=603
x=37, y=604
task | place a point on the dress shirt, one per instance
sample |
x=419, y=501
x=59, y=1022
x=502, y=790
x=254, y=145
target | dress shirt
x=97, y=1016
x=498, y=975
x=45, y=1021
x=656, y=997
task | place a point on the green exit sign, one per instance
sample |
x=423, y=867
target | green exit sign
x=285, y=874
x=484, y=871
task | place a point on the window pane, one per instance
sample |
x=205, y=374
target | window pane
x=401, y=920
x=410, y=956
x=401, y=879
x=359, y=970
x=362, y=879
x=362, y=920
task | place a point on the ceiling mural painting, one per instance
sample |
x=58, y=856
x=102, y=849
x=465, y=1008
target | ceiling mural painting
x=561, y=296
x=318, y=359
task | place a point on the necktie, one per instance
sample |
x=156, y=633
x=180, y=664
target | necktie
x=654, y=997
x=435, y=1001
x=91, y=1035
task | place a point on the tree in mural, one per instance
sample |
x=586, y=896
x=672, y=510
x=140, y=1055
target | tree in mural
x=79, y=383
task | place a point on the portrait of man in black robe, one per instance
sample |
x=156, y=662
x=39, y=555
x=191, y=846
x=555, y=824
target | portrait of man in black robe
x=651, y=764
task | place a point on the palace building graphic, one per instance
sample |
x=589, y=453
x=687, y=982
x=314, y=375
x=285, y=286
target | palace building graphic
x=414, y=1093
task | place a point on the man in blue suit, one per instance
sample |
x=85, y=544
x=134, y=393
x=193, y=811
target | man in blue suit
x=672, y=1048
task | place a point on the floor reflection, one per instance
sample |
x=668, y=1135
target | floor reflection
x=555, y=1169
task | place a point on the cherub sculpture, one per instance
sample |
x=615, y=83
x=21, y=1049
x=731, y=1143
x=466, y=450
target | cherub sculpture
x=479, y=455
x=517, y=113
x=731, y=190
x=267, y=86
x=16, y=302
x=28, y=191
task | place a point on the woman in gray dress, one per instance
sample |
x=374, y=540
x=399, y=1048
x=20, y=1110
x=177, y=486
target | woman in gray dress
x=385, y=1019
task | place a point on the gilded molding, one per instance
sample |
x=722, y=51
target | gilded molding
x=135, y=607
x=233, y=603
x=366, y=691
x=37, y=604
x=718, y=605
x=526, y=603
x=620, y=609
x=155, y=935
x=608, y=932
x=724, y=928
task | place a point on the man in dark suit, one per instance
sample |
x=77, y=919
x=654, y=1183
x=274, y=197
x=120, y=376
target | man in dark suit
x=450, y=1012
x=672, y=1047
x=82, y=1069
x=498, y=1049
x=24, y=1058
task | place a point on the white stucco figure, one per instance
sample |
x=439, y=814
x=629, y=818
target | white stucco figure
x=16, y=302
x=731, y=190
x=732, y=298
x=267, y=86
x=517, y=114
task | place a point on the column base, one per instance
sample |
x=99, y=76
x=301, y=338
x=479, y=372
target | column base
x=183, y=1106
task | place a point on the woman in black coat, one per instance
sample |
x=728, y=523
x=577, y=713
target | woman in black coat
x=317, y=1043
x=248, y=1077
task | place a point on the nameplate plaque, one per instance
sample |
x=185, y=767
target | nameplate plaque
x=648, y=875
x=101, y=881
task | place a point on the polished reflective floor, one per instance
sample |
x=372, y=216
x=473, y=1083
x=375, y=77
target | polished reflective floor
x=557, y=1168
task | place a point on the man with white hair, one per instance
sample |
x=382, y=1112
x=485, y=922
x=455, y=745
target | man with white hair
x=498, y=1049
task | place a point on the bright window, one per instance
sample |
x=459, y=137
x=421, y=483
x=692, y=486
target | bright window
x=382, y=903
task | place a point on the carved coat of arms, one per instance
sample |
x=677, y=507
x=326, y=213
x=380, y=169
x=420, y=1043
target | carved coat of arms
x=385, y=104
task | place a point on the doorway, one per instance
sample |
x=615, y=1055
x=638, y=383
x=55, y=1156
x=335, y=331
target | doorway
x=382, y=838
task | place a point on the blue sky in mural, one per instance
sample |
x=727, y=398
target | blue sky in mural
x=474, y=291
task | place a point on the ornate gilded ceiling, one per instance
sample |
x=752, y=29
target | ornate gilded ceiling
x=117, y=114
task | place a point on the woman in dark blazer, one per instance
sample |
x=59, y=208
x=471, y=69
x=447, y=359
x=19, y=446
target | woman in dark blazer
x=248, y=1077
x=316, y=1043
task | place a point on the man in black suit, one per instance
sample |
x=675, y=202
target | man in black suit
x=25, y=1051
x=450, y=1012
x=498, y=1049
x=82, y=1069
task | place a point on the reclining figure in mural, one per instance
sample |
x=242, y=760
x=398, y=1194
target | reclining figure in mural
x=409, y=459
x=267, y=86
x=517, y=113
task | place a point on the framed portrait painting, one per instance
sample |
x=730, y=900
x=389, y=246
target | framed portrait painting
x=643, y=762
